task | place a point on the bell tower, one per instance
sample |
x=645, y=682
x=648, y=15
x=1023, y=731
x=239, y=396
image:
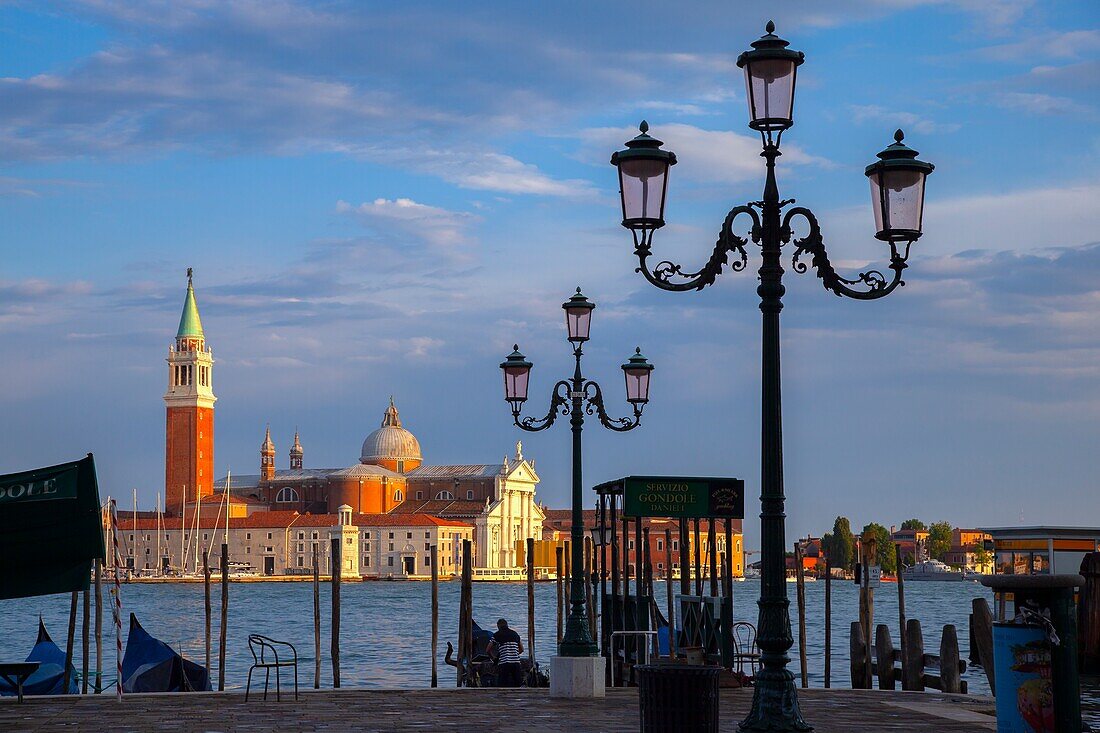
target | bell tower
x=267, y=457
x=189, y=404
x=296, y=452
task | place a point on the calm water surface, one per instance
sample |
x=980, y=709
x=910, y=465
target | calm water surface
x=386, y=626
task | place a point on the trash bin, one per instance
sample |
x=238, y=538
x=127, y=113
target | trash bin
x=677, y=697
x=1038, y=687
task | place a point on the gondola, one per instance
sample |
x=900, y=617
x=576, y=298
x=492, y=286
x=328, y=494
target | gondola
x=150, y=665
x=49, y=678
x=482, y=671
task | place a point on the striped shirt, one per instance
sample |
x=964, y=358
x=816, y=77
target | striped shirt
x=507, y=642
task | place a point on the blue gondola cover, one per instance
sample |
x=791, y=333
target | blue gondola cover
x=49, y=679
x=150, y=665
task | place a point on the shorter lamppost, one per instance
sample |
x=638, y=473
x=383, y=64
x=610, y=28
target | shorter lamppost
x=576, y=397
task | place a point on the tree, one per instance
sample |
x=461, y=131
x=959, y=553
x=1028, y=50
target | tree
x=914, y=524
x=983, y=558
x=939, y=540
x=884, y=548
x=839, y=545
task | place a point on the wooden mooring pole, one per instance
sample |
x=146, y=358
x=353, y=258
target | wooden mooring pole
x=567, y=585
x=435, y=610
x=466, y=609
x=712, y=552
x=70, y=641
x=800, y=578
x=206, y=605
x=334, y=647
x=698, y=560
x=901, y=604
x=560, y=569
x=982, y=638
x=668, y=593
x=828, y=623
x=316, y=619
x=98, y=626
x=531, y=600
x=223, y=630
x=84, y=631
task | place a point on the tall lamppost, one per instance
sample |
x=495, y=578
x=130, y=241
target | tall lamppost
x=897, y=195
x=576, y=397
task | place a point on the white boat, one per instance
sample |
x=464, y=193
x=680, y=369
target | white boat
x=932, y=570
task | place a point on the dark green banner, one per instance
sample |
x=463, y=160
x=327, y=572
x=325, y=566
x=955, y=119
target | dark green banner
x=50, y=530
x=683, y=496
x=43, y=485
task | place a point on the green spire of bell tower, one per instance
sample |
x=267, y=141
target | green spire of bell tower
x=190, y=324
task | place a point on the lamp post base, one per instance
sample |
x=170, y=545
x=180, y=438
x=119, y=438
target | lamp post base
x=572, y=677
x=774, y=705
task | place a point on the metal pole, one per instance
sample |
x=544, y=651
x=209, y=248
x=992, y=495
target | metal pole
x=577, y=641
x=775, y=697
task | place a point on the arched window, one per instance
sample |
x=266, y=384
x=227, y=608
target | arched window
x=469, y=493
x=444, y=495
x=398, y=496
x=286, y=495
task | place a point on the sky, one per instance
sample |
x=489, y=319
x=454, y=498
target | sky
x=381, y=198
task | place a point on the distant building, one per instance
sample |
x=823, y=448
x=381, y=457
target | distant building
x=913, y=542
x=967, y=546
x=1041, y=550
x=283, y=543
x=496, y=500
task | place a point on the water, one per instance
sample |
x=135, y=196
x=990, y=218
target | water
x=386, y=627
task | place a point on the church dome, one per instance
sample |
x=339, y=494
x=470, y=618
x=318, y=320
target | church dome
x=391, y=444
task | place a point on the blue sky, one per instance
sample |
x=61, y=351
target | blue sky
x=381, y=198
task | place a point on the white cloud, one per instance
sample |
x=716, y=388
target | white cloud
x=1040, y=104
x=908, y=121
x=437, y=226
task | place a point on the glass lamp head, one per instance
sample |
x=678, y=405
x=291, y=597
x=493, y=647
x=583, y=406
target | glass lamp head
x=637, y=371
x=770, y=72
x=517, y=373
x=578, y=317
x=897, y=191
x=643, y=180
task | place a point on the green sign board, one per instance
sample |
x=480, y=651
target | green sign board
x=50, y=529
x=54, y=483
x=683, y=496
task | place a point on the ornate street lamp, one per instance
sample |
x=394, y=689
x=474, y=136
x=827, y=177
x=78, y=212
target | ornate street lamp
x=897, y=191
x=576, y=397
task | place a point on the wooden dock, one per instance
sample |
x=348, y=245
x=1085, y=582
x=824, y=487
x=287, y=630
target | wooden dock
x=829, y=711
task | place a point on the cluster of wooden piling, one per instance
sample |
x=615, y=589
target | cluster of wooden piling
x=915, y=670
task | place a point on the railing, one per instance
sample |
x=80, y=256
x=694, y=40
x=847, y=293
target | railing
x=645, y=646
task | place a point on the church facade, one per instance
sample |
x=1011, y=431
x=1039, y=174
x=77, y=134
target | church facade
x=497, y=500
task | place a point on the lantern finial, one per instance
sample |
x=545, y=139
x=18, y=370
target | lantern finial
x=899, y=135
x=770, y=27
x=644, y=127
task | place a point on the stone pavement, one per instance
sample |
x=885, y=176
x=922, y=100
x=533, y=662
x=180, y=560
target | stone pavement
x=480, y=710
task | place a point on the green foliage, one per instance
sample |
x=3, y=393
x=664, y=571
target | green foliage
x=884, y=548
x=839, y=545
x=914, y=524
x=939, y=540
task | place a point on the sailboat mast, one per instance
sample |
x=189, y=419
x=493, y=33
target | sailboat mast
x=228, y=477
x=183, y=531
x=134, y=525
x=160, y=564
x=195, y=532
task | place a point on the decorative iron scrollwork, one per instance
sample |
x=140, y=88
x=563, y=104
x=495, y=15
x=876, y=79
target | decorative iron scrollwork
x=877, y=285
x=662, y=275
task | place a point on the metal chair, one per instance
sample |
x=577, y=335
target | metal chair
x=265, y=656
x=744, y=647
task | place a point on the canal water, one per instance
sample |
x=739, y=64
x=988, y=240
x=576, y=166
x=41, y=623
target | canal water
x=386, y=626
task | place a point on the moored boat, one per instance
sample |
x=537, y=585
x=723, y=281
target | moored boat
x=932, y=570
x=49, y=678
x=150, y=665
